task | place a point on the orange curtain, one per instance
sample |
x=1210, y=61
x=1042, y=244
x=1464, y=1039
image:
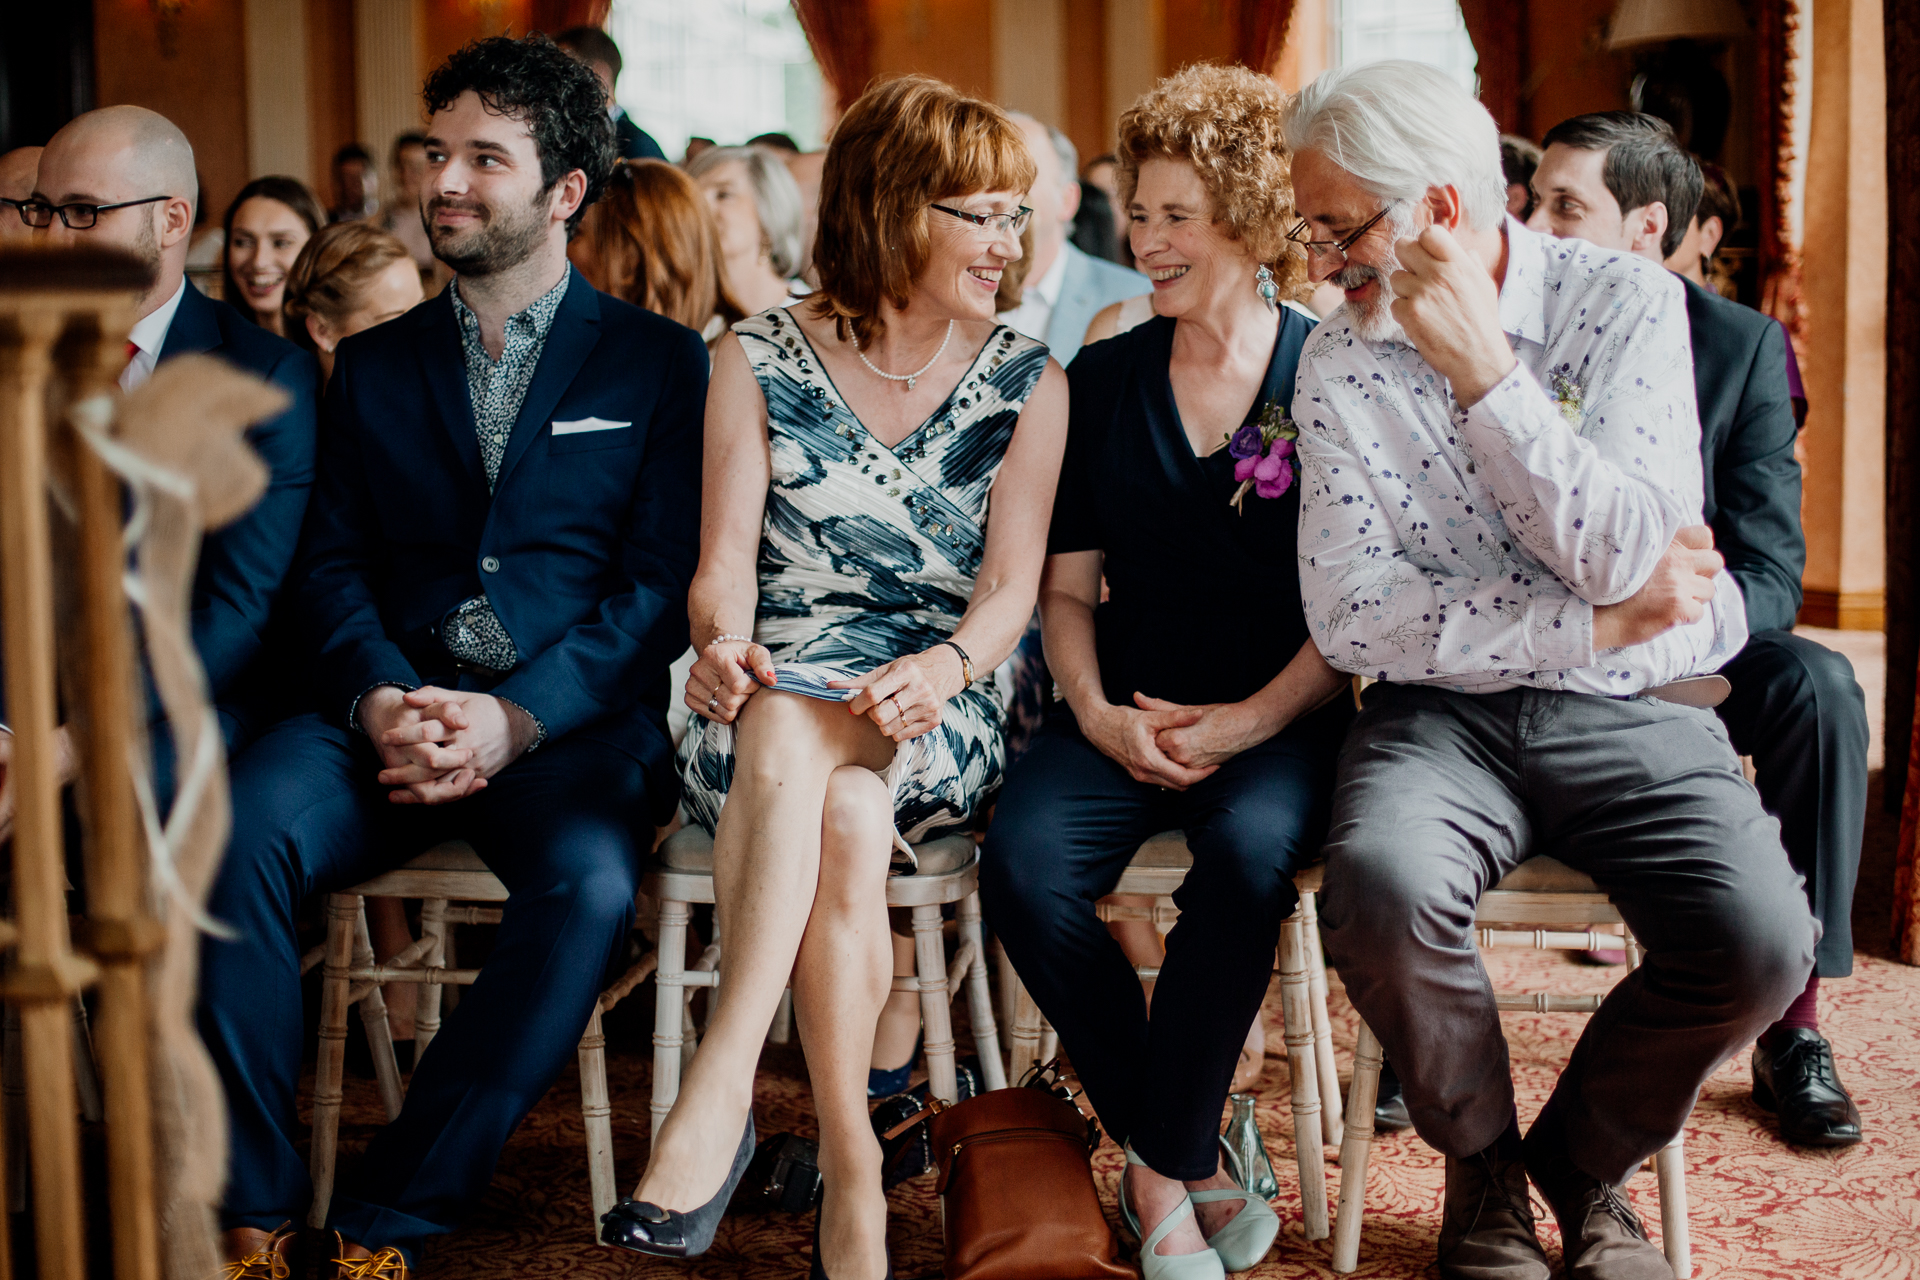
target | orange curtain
x=1498, y=29
x=1261, y=33
x=841, y=33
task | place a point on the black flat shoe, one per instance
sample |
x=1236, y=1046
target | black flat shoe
x=1390, y=1106
x=818, y=1272
x=647, y=1228
x=1795, y=1079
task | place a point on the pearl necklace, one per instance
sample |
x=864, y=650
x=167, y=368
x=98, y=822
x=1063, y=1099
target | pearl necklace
x=909, y=378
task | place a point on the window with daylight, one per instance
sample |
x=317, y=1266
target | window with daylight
x=722, y=69
x=1430, y=31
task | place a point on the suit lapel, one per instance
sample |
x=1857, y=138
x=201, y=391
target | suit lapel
x=444, y=362
x=576, y=328
x=195, y=327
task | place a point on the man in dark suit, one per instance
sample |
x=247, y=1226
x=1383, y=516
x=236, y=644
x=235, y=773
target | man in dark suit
x=1618, y=179
x=494, y=576
x=123, y=177
x=596, y=48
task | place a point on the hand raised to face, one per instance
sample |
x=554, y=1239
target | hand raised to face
x=1448, y=304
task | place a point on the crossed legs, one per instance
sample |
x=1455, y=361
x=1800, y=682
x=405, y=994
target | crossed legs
x=800, y=875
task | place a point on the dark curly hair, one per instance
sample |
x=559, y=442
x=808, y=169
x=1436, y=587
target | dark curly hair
x=558, y=96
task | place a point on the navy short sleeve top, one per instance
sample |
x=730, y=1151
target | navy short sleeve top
x=1203, y=601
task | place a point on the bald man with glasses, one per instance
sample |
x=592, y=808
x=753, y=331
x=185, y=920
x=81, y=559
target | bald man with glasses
x=123, y=178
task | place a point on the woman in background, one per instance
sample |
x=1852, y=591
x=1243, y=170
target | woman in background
x=266, y=226
x=349, y=277
x=651, y=242
x=756, y=205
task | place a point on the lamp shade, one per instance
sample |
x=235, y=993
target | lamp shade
x=1637, y=22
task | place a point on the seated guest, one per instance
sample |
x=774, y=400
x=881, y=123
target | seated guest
x=401, y=218
x=356, y=185
x=1501, y=521
x=491, y=661
x=1063, y=286
x=266, y=226
x=348, y=278
x=1519, y=157
x=1191, y=690
x=756, y=205
x=652, y=242
x=1619, y=180
x=596, y=48
x=853, y=445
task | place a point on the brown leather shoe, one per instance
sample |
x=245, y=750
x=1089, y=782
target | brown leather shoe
x=258, y=1255
x=1487, y=1229
x=386, y=1263
x=1601, y=1236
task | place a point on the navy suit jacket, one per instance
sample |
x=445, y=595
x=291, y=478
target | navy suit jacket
x=633, y=142
x=585, y=547
x=244, y=566
x=1746, y=443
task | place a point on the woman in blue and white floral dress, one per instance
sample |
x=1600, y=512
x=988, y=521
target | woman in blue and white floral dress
x=852, y=600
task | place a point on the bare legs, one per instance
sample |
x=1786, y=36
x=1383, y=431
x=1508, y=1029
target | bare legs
x=899, y=1029
x=799, y=863
x=1154, y=1197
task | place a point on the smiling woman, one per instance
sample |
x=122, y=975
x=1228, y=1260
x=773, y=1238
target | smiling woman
x=267, y=224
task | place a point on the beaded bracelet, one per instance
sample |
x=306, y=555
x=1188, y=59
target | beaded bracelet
x=725, y=636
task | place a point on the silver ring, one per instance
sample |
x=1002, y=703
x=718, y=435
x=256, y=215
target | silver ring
x=713, y=704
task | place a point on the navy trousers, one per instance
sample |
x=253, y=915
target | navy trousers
x=1796, y=709
x=1068, y=822
x=563, y=828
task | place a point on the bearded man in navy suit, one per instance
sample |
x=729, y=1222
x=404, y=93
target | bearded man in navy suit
x=123, y=178
x=493, y=580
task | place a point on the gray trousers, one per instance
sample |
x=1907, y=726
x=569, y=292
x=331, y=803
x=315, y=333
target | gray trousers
x=1440, y=794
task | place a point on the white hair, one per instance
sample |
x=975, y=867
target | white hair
x=776, y=199
x=1401, y=128
x=1068, y=153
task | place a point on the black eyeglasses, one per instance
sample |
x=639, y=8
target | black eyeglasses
x=1324, y=249
x=995, y=223
x=76, y=217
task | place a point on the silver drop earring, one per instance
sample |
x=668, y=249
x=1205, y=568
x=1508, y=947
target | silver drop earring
x=1263, y=285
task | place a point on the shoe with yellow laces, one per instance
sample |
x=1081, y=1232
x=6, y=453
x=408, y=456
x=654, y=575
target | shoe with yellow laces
x=268, y=1262
x=386, y=1263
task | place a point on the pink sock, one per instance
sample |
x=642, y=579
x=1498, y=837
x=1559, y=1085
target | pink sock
x=1803, y=1013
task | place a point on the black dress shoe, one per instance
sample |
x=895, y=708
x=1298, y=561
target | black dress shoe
x=1390, y=1106
x=819, y=1272
x=1795, y=1079
x=665, y=1233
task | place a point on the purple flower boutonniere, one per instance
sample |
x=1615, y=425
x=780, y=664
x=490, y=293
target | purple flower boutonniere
x=1264, y=460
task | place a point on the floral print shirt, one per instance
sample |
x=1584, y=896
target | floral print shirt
x=1467, y=548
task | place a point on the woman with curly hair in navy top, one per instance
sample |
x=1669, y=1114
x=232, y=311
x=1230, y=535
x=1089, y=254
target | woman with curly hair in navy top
x=851, y=604
x=1193, y=696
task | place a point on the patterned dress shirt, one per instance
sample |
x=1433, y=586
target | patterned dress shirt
x=497, y=388
x=1467, y=548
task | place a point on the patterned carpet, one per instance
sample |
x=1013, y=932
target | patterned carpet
x=1760, y=1210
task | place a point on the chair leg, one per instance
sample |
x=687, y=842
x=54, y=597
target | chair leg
x=1324, y=1062
x=1049, y=1040
x=373, y=1016
x=1295, y=1011
x=986, y=1034
x=670, y=1008
x=1024, y=1044
x=343, y=909
x=426, y=1018
x=1670, y=1165
x=936, y=1018
x=596, y=1109
x=1361, y=1099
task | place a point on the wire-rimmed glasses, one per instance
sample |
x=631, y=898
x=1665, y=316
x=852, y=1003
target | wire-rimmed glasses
x=1325, y=249
x=992, y=224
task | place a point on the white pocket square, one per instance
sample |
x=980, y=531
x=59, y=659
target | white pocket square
x=587, y=424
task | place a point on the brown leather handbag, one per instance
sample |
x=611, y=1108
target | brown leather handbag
x=1017, y=1193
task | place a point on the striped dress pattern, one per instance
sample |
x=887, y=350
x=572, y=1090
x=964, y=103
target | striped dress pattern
x=868, y=553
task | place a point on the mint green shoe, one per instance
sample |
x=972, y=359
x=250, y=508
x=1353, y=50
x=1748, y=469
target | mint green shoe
x=1245, y=1240
x=1205, y=1265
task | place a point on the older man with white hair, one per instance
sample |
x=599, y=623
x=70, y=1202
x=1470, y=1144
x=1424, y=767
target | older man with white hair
x=1501, y=523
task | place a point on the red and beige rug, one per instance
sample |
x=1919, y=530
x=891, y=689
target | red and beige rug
x=1760, y=1210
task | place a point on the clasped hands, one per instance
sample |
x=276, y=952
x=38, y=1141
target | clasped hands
x=1171, y=745
x=441, y=745
x=903, y=697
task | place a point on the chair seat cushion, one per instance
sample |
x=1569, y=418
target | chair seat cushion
x=690, y=849
x=1541, y=874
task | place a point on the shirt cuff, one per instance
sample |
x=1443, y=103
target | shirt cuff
x=1513, y=412
x=353, y=712
x=1565, y=643
x=539, y=727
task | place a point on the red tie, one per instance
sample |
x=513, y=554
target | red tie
x=133, y=349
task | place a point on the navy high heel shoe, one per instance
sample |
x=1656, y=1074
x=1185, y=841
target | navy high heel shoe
x=664, y=1233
